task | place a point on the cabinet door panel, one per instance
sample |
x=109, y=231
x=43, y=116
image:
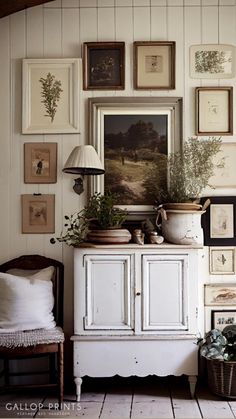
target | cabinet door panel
x=164, y=293
x=108, y=292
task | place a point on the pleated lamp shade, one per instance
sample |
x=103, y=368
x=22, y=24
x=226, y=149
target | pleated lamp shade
x=84, y=160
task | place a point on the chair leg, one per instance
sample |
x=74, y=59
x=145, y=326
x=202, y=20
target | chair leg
x=6, y=371
x=61, y=372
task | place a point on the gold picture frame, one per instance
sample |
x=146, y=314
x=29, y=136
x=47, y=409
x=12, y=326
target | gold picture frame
x=154, y=65
x=40, y=162
x=38, y=213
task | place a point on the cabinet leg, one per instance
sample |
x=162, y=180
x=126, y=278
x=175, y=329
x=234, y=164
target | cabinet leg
x=78, y=383
x=192, y=379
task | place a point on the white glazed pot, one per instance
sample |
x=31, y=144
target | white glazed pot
x=182, y=227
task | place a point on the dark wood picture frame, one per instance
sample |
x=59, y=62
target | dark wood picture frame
x=223, y=325
x=214, y=110
x=104, y=65
x=38, y=213
x=154, y=65
x=40, y=162
x=222, y=208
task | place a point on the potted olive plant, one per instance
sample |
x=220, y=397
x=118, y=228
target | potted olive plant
x=189, y=171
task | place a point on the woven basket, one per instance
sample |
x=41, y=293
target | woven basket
x=222, y=377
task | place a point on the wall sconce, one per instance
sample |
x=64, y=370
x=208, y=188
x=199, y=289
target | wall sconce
x=83, y=160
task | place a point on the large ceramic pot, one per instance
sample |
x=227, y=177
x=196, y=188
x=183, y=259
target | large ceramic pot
x=181, y=227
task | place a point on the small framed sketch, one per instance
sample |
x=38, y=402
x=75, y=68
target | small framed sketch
x=219, y=221
x=214, y=110
x=50, y=96
x=220, y=294
x=104, y=65
x=222, y=318
x=212, y=61
x=222, y=260
x=38, y=213
x=40, y=162
x=224, y=177
x=154, y=65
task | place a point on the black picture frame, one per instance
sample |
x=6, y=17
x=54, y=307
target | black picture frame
x=207, y=221
x=104, y=65
x=223, y=325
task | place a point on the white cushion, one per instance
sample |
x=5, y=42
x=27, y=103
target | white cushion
x=26, y=302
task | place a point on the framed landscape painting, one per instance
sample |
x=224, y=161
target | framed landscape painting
x=133, y=136
x=50, y=95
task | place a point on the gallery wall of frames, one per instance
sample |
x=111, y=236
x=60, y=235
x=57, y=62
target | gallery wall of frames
x=128, y=49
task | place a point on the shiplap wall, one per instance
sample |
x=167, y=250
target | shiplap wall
x=58, y=29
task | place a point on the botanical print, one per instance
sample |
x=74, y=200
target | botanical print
x=38, y=213
x=213, y=62
x=51, y=90
x=134, y=146
x=40, y=162
x=153, y=63
x=105, y=67
x=222, y=261
x=222, y=221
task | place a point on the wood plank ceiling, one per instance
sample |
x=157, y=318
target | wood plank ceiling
x=8, y=7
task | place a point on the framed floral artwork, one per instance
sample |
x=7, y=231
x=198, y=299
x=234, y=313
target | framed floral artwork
x=50, y=99
x=212, y=61
x=104, y=65
x=40, y=162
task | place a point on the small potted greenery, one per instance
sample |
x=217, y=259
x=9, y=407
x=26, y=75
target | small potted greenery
x=189, y=171
x=219, y=350
x=99, y=221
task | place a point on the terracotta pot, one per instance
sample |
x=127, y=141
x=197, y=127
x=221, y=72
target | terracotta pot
x=115, y=236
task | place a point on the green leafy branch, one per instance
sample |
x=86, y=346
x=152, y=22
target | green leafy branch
x=51, y=90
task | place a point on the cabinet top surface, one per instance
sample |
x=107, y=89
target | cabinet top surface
x=135, y=246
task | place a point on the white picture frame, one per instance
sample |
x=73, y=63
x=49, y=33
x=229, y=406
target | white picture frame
x=222, y=260
x=101, y=109
x=40, y=113
x=224, y=177
x=220, y=294
x=212, y=61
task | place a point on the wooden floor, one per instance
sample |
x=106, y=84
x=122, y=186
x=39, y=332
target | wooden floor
x=149, y=397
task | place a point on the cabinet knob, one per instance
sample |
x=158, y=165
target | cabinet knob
x=138, y=293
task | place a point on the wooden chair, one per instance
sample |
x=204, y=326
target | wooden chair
x=42, y=342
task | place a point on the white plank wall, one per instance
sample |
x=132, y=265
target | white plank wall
x=58, y=29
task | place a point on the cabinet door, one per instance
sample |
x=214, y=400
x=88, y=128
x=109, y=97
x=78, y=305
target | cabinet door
x=164, y=292
x=108, y=281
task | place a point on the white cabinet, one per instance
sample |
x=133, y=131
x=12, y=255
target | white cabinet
x=135, y=311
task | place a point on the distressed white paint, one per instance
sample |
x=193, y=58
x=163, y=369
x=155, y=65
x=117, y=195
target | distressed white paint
x=165, y=281
x=57, y=29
